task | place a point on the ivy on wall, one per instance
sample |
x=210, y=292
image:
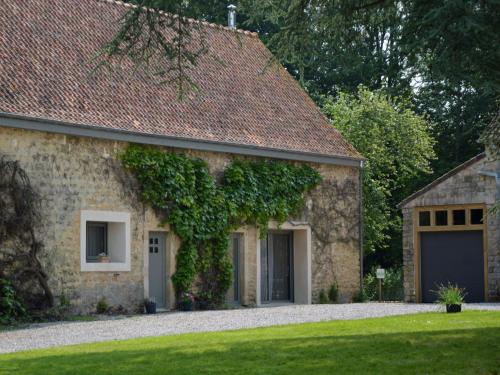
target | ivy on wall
x=202, y=213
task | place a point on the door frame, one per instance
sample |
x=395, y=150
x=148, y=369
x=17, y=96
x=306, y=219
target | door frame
x=291, y=293
x=418, y=229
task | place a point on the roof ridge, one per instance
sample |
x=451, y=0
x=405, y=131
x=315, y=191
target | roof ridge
x=190, y=20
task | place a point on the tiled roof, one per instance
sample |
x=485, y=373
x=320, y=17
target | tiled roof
x=46, y=46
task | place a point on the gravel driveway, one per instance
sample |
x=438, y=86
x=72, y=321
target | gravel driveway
x=67, y=333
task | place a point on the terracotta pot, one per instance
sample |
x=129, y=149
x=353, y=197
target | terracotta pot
x=102, y=259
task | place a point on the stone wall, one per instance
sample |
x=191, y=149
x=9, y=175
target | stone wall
x=77, y=173
x=466, y=186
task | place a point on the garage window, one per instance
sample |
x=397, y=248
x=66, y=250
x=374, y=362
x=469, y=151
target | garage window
x=458, y=217
x=476, y=216
x=441, y=218
x=450, y=217
x=424, y=218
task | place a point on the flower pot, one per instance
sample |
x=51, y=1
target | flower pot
x=103, y=259
x=150, y=307
x=454, y=308
x=204, y=305
x=186, y=306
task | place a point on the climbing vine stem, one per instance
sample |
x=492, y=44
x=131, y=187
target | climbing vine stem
x=202, y=213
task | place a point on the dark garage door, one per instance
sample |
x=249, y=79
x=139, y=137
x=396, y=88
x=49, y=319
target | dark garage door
x=455, y=257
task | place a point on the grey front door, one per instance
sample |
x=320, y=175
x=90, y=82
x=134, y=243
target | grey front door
x=157, y=268
x=276, y=267
x=452, y=257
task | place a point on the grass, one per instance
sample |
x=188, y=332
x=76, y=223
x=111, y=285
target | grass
x=434, y=343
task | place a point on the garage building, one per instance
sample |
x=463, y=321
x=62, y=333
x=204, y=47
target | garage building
x=449, y=235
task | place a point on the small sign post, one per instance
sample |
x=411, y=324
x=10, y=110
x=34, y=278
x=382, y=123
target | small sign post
x=380, y=277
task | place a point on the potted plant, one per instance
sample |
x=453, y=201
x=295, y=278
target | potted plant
x=205, y=301
x=150, y=305
x=451, y=296
x=103, y=258
x=186, y=301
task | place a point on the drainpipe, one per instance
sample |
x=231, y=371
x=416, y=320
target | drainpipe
x=361, y=173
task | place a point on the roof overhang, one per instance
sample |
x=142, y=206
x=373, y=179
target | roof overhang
x=80, y=130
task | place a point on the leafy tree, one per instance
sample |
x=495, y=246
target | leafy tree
x=491, y=138
x=398, y=148
x=440, y=55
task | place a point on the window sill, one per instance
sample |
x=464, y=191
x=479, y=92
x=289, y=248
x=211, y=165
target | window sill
x=105, y=267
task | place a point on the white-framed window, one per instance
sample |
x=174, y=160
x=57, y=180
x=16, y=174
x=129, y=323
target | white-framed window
x=104, y=241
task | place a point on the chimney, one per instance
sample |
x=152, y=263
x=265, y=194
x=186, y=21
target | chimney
x=231, y=16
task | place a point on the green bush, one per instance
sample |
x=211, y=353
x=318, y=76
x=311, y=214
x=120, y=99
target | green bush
x=450, y=294
x=11, y=307
x=392, y=285
x=323, y=298
x=360, y=296
x=202, y=210
x=102, y=306
x=64, y=301
x=333, y=293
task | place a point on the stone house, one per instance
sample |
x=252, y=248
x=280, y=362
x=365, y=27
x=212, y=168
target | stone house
x=449, y=235
x=66, y=127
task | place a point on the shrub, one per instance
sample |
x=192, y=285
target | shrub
x=450, y=294
x=11, y=307
x=64, y=301
x=333, y=293
x=323, y=297
x=392, y=287
x=102, y=306
x=360, y=296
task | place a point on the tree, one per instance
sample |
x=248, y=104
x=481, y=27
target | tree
x=491, y=138
x=20, y=246
x=398, y=148
x=158, y=37
x=442, y=56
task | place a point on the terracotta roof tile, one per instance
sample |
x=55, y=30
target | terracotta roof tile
x=45, y=48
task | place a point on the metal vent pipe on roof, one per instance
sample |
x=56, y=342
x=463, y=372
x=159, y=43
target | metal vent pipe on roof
x=231, y=16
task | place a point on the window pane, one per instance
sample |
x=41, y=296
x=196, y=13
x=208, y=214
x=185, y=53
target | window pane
x=441, y=217
x=458, y=217
x=424, y=218
x=476, y=216
x=96, y=240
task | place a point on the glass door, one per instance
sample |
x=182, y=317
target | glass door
x=276, y=267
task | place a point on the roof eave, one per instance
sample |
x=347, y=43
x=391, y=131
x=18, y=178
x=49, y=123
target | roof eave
x=20, y=121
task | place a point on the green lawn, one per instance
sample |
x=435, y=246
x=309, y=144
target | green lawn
x=466, y=343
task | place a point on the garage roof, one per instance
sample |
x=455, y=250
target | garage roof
x=438, y=180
